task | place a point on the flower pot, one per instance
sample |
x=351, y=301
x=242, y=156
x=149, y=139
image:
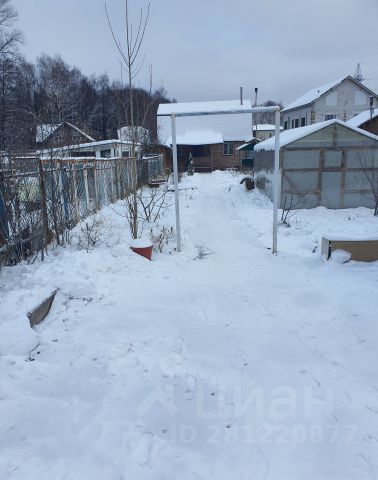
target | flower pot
x=142, y=247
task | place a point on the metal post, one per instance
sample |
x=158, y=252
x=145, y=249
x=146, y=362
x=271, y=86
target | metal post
x=276, y=181
x=175, y=177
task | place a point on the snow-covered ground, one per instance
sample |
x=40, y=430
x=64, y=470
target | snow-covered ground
x=222, y=362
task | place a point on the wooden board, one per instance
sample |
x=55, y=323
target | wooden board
x=37, y=315
x=361, y=250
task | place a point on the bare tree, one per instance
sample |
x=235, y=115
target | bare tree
x=293, y=200
x=10, y=37
x=129, y=50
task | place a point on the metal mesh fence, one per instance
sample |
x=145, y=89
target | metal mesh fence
x=42, y=199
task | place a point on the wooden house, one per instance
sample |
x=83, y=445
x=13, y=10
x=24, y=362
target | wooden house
x=210, y=139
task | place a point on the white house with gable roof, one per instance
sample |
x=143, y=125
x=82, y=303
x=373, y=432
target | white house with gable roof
x=341, y=99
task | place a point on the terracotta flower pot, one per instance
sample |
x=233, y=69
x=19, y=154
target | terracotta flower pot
x=142, y=247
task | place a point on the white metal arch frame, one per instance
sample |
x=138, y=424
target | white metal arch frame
x=276, y=176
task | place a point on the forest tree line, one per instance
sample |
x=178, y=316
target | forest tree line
x=51, y=92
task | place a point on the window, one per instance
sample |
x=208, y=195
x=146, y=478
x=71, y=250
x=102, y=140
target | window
x=295, y=123
x=199, y=151
x=285, y=125
x=228, y=148
x=329, y=117
x=106, y=153
x=303, y=121
x=126, y=153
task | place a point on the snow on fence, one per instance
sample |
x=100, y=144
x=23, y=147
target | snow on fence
x=41, y=200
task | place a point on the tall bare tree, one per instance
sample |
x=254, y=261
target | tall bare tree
x=10, y=37
x=129, y=48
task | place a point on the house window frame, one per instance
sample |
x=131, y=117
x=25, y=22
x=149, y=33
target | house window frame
x=226, y=149
x=329, y=116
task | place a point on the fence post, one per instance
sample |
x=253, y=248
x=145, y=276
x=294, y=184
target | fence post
x=45, y=218
x=111, y=183
x=104, y=189
x=76, y=203
x=95, y=185
x=64, y=194
x=86, y=189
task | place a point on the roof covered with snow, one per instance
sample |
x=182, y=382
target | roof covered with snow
x=197, y=137
x=208, y=107
x=206, y=129
x=44, y=131
x=361, y=118
x=264, y=127
x=312, y=95
x=86, y=146
x=294, y=134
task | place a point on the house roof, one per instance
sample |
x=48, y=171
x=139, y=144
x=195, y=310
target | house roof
x=208, y=107
x=250, y=145
x=312, y=95
x=44, y=131
x=264, y=127
x=83, y=145
x=362, y=118
x=206, y=129
x=294, y=134
x=197, y=137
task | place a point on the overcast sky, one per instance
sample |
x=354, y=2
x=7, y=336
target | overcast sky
x=207, y=49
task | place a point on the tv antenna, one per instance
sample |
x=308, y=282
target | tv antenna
x=358, y=74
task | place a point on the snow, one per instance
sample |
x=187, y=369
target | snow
x=197, y=137
x=206, y=129
x=264, y=127
x=289, y=136
x=45, y=130
x=313, y=95
x=361, y=118
x=203, y=107
x=341, y=256
x=224, y=361
x=141, y=243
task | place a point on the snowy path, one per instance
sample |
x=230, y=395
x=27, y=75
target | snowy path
x=223, y=362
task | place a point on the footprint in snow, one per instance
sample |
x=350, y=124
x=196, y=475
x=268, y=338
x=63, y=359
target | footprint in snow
x=191, y=387
x=259, y=465
x=143, y=449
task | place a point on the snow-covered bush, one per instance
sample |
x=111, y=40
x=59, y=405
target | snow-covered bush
x=160, y=239
x=94, y=232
